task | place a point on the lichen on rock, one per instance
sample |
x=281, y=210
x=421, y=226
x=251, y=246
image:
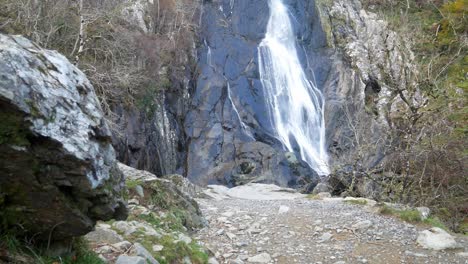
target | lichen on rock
x=58, y=169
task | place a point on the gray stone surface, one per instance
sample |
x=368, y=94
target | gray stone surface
x=436, y=239
x=174, y=198
x=313, y=231
x=141, y=251
x=104, y=235
x=59, y=173
x=124, y=259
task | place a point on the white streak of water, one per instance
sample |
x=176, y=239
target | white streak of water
x=296, y=105
x=234, y=107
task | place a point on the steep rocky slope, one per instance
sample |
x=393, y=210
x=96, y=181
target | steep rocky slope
x=162, y=215
x=349, y=53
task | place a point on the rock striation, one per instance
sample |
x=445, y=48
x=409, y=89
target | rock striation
x=58, y=172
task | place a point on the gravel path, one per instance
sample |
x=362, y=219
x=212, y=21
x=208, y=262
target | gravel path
x=293, y=229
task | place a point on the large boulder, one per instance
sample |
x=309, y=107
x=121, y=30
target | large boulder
x=58, y=173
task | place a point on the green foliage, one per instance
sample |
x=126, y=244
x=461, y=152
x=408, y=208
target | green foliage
x=81, y=253
x=147, y=101
x=431, y=163
x=386, y=210
x=412, y=216
x=313, y=197
x=435, y=221
x=12, y=129
x=131, y=184
x=9, y=242
x=174, y=252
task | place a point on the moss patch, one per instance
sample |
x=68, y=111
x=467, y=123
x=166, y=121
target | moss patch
x=13, y=129
x=412, y=216
x=313, y=197
x=24, y=252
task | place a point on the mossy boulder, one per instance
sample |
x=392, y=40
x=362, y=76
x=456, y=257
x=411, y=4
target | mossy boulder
x=174, y=195
x=58, y=173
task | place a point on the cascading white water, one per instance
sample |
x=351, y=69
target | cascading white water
x=295, y=104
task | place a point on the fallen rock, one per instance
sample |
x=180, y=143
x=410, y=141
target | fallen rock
x=104, y=250
x=141, y=251
x=157, y=248
x=321, y=188
x=361, y=225
x=260, y=258
x=184, y=185
x=436, y=239
x=325, y=237
x=283, y=209
x=424, y=212
x=122, y=246
x=212, y=261
x=173, y=198
x=104, y=235
x=59, y=172
x=184, y=238
x=139, y=190
x=124, y=259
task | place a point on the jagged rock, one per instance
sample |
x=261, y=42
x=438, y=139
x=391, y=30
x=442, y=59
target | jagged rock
x=157, y=248
x=124, y=259
x=260, y=258
x=212, y=261
x=436, y=239
x=325, y=237
x=103, y=235
x=139, y=190
x=59, y=173
x=322, y=187
x=184, y=238
x=424, y=212
x=184, y=185
x=104, y=250
x=165, y=195
x=361, y=225
x=136, y=175
x=123, y=246
x=141, y=251
x=137, y=13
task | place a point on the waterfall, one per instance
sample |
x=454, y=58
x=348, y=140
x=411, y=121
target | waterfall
x=295, y=104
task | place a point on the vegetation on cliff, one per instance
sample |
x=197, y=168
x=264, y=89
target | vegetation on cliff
x=128, y=49
x=430, y=157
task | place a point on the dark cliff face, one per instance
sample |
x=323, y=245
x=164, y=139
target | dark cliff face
x=230, y=138
x=154, y=140
x=213, y=126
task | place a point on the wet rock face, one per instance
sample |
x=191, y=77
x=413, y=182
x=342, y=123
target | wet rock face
x=229, y=134
x=151, y=142
x=368, y=59
x=58, y=172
